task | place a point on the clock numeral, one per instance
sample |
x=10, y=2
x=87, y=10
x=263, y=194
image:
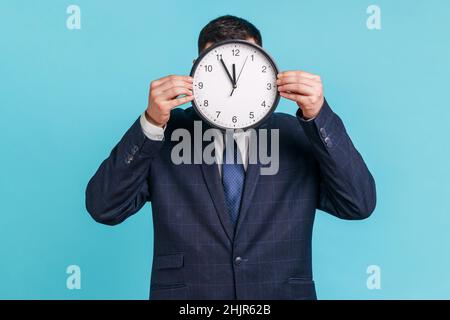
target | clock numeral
x=235, y=52
x=219, y=57
x=218, y=114
x=206, y=103
x=269, y=86
x=264, y=68
x=251, y=115
x=253, y=57
x=263, y=104
x=208, y=68
x=234, y=119
x=200, y=85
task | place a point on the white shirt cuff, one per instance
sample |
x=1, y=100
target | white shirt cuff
x=150, y=130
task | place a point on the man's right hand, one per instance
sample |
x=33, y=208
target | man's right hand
x=165, y=94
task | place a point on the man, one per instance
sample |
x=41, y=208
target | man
x=256, y=242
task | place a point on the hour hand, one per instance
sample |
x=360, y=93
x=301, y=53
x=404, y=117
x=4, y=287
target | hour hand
x=234, y=75
x=228, y=73
x=234, y=79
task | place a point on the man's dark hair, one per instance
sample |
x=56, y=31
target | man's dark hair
x=227, y=28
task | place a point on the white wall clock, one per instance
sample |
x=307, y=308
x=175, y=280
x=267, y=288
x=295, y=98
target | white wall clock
x=235, y=85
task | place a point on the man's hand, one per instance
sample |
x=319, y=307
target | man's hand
x=165, y=94
x=303, y=88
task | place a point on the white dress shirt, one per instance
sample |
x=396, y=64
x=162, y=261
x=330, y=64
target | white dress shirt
x=156, y=133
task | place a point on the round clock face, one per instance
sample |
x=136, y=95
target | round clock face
x=235, y=85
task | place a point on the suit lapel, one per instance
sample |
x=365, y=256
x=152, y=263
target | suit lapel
x=215, y=188
x=251, y=181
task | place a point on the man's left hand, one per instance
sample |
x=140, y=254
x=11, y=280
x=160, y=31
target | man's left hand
x=303, y=88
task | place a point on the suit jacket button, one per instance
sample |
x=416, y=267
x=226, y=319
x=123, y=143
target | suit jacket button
x=323, y=132
x=238, y=261
x=328, y=142
x=128, y=159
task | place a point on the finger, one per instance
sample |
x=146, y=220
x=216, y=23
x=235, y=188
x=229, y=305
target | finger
x=178, y=102
x=297, y=88
x=298, y=73
x=173, y=78
x=306, y=81
x=171, y=84
x=174, y=92
x=294, y=97
x=158, y=82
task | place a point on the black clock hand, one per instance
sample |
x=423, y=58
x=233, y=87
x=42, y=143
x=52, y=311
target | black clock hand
x=234, y=78
x=228, y=73
x=240, y=72
x=234, y=74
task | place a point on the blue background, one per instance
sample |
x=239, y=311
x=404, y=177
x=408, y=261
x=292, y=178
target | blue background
x=67, y=96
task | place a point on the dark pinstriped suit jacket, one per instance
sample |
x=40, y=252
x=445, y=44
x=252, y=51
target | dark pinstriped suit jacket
x=197, y=252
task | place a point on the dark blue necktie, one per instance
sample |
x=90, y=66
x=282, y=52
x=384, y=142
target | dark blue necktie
x=233, y=177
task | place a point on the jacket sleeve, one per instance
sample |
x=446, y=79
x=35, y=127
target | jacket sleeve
x=120, y=187
x=347, y=188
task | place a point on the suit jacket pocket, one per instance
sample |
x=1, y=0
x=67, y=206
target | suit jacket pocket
x=170, y=261
x=300, y=280
x=168, y=275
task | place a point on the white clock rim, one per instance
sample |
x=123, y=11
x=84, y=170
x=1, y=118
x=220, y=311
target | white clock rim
x=274, y=66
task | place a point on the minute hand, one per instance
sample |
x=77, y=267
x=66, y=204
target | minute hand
x=240, y=72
